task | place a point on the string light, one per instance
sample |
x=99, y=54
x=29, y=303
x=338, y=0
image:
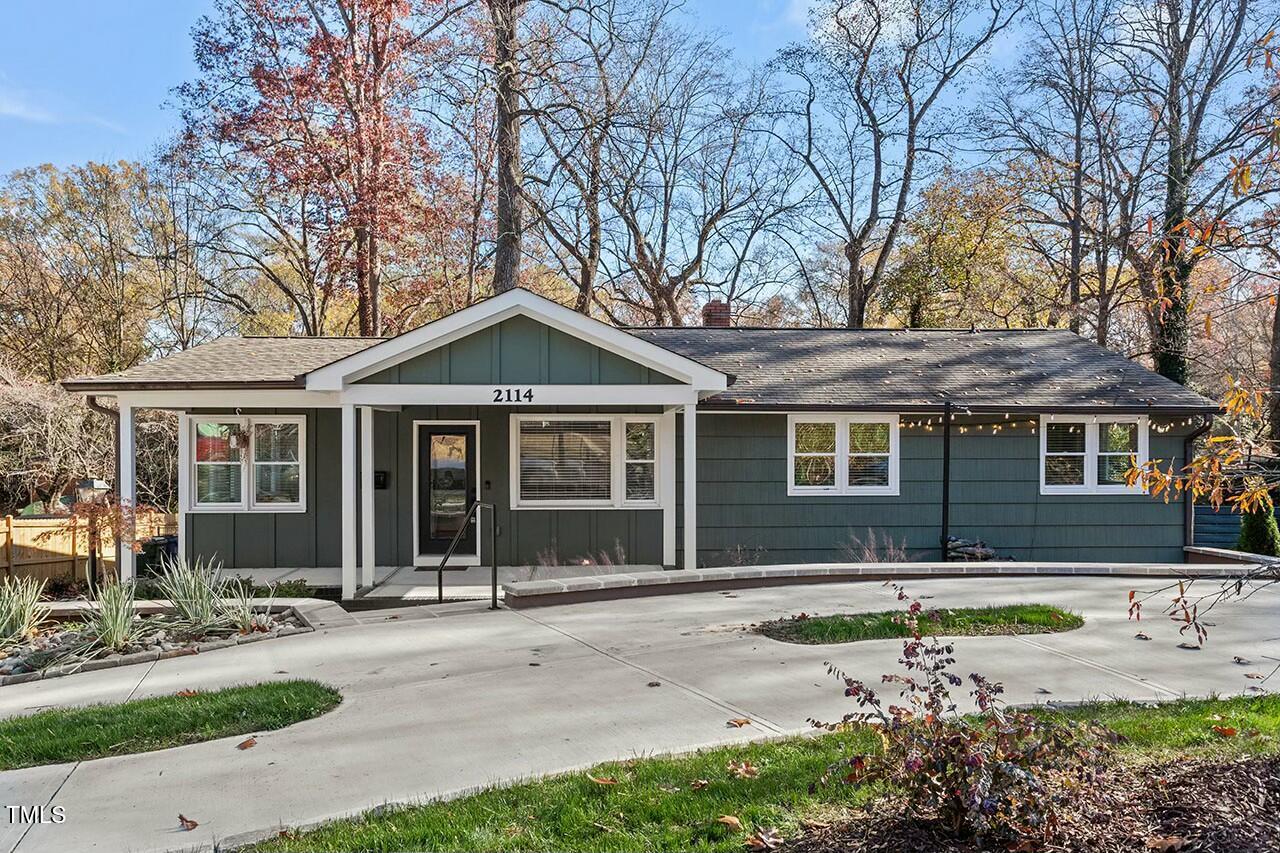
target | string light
x=1008, y=421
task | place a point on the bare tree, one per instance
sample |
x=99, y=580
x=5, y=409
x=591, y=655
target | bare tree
x=1192, y=68
x=585, y=63
x=680, y=174
x=858, y=115
x=1045, y=114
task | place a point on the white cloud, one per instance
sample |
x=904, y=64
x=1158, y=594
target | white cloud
x=22, y=105
x=14, y=103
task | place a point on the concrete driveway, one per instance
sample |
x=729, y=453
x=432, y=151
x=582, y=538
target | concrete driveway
x=437, y=706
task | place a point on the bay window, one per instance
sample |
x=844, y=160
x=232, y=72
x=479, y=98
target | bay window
x=854, y=454
x=1091, y=454
x=245, y=464
x=568, y=461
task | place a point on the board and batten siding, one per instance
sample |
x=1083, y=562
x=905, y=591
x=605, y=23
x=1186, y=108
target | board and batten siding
x=519, y=351
x=745, y=515
x=244, y=541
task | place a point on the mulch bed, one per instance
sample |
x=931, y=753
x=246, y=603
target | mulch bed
x=1196, y=805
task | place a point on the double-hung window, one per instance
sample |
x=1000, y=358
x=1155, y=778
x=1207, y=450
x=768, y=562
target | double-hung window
x=1091, y=454
x=566, y=461
x=246, y=464
x=854, y=454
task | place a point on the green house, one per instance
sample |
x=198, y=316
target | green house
x=674, y=447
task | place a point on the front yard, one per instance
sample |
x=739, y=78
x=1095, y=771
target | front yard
x=738, y=797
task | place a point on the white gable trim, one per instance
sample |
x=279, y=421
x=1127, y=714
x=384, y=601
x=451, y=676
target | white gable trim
x=513, y=303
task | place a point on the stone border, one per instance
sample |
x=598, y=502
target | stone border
x=545, y=593
x=314, y=614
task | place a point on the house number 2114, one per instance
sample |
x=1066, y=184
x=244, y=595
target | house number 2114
x=513, y=395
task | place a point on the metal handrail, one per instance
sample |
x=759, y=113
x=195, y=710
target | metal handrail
x=493, y=551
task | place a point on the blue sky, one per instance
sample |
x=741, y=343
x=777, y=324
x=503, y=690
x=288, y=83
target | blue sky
x=88, y=79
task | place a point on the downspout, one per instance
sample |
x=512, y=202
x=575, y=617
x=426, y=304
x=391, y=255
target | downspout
x=946, y=478
x=113, y=415
x=1188, y=499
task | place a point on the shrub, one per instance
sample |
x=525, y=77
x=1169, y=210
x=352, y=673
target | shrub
x=113, y=624
x=1259, y=533
x=65, y=588
x=20, y=609
x=999, y=775
x=295, y=588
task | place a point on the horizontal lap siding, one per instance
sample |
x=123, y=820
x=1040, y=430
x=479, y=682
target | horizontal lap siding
x=996, y=497
x=745, y=515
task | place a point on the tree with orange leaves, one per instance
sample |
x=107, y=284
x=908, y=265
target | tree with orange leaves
x=320, y=96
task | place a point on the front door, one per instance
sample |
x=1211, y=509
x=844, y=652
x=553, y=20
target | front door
x=446, y=487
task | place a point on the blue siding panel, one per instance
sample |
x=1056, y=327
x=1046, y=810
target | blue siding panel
x=745, y=515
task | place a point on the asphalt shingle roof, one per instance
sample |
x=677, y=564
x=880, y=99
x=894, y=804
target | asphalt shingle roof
x=801, y=368
x=887, y=368
x=233, y=362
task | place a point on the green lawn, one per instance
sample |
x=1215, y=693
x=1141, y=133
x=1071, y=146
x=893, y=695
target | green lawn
x=959, y=622
x=95, y=731
x=655, y=804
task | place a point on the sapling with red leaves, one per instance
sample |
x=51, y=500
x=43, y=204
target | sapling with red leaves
x=999, y=774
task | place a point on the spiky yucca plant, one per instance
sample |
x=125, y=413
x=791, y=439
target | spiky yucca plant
x=113, y=624
x=21, y=612
x=195, y=591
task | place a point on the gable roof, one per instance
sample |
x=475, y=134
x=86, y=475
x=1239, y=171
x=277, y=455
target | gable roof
x=904, y=369
x=254, y=362
x=495, y=309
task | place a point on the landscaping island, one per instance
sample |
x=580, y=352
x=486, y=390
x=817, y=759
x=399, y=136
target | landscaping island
x=944, y=622
x=1202, y=770
x=144, y=725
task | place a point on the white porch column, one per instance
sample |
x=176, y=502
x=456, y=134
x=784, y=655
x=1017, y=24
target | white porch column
x=185, y=472
x=126, y=491
x=348, y=501
x=366, y=497
x=691, y=486
x=667, y=483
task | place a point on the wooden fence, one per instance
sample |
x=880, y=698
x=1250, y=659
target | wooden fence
x=50, y=547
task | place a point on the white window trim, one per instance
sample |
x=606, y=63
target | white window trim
x=617, y=463
x=1090, y=423
x=842, y=422
x=246, y=503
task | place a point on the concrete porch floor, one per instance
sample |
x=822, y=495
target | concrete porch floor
x=407, y=584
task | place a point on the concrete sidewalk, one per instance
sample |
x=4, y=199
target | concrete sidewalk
x=435, y=706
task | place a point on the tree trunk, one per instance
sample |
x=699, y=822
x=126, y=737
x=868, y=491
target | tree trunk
x=857, y=290
x=1077, y=224
x=364, y=309
x=506, y=260
x=1172, y=334
x=1273, y=361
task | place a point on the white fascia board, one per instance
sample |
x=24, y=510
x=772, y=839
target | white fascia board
x=180, y=399
x=412, y=394
x=336, y=376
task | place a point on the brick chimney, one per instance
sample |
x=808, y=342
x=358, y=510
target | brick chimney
x=716, y=314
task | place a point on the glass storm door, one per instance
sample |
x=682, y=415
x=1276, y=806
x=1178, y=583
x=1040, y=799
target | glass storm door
x=446, y=487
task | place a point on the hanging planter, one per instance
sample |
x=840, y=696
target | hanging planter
x=239, y=438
